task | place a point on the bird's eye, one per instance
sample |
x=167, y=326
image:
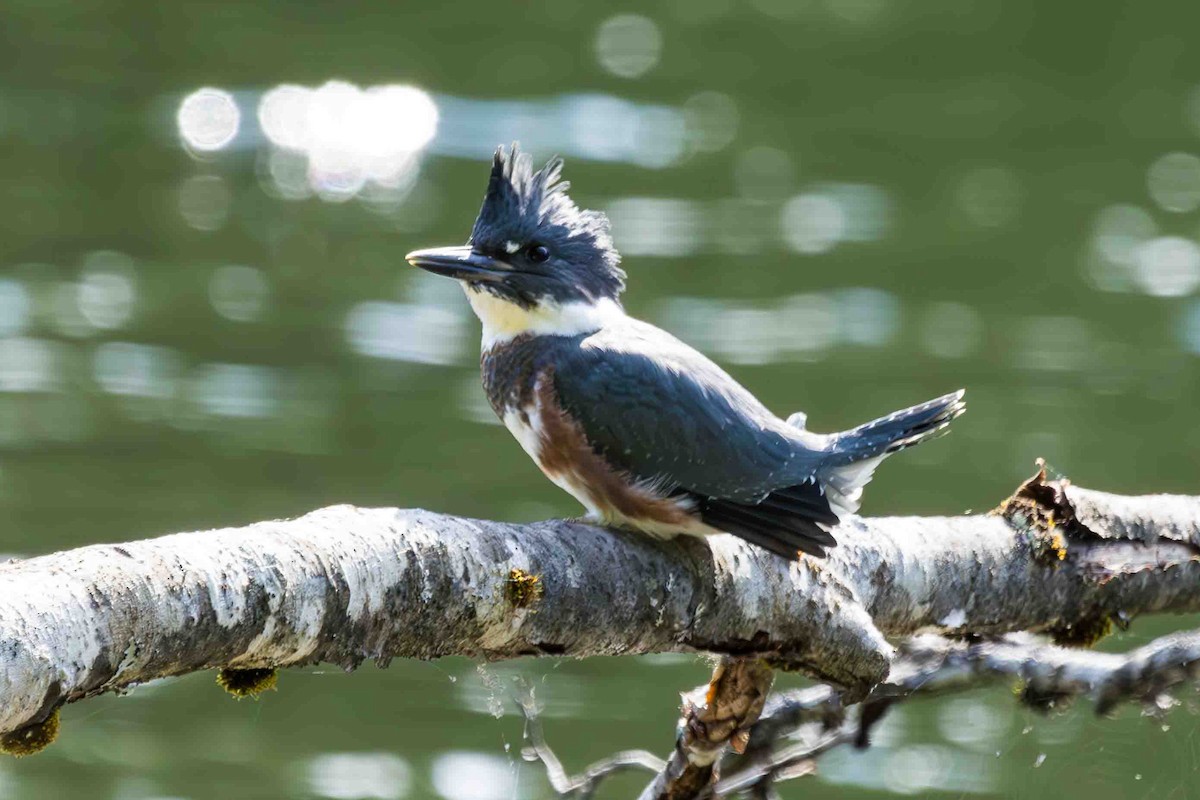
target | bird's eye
x=537, y=253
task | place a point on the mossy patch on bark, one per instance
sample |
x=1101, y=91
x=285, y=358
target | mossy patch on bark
x=32, y=738
x=1048, y=547
x=522, y=589
x=247, y=682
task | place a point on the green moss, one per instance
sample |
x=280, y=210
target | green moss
x=32, y=738
x=1048, y=547
x=522, y=589
x=1083, y=633
x=247, y=682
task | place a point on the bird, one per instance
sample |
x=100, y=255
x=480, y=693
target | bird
x=644, y=431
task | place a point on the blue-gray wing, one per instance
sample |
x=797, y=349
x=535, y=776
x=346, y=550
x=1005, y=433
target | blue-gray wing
x=663, y=412
x=660, y=411
x=693, y=429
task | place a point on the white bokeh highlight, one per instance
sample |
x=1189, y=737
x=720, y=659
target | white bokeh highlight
x=628, y=45
x=1174, y=182
x=812, y=223
x=208, y=119
x=337, y=139
x=359, y=776
x=1168, y=266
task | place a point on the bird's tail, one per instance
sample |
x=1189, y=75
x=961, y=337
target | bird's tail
x=854, y=454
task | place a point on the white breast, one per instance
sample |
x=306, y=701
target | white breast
x=527, y=430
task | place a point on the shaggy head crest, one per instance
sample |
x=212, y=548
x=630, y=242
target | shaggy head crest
x=523, y=208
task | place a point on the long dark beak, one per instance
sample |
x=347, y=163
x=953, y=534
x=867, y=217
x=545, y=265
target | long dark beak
x=459, y=262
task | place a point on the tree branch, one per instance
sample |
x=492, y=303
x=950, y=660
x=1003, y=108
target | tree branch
x=1049, y=675
x=344, y=584
x=929, y=665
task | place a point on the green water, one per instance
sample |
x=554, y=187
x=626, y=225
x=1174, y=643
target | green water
x=854, y=205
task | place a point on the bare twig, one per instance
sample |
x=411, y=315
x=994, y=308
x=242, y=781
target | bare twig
x=1051, y=674
x=584, y=785
x=787, y=763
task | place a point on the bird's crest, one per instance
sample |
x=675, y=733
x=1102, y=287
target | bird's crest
x=523, y=206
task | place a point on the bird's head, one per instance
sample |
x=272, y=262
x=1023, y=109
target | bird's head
x=531, y=245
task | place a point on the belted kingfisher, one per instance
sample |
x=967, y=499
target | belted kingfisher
x=644, y=431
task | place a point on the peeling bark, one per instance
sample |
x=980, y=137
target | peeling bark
x=345, y=584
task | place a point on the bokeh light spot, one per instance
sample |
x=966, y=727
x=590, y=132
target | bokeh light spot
x=763, y=173
x=974, y=723
x=1190, y=328
x=208, y=119
x=1168, y=266
x=283, y=115
x=138, y=370
x=16, y=307
x=1117, y=234
x=866, y=316
x=659, y=138
x=812, y=223
x=204, y=202
x=867, y=209
x=359, y=776
x=30, y=365
x=476, y=776
x=1049, y=344
x=1120, y=230
x=338, y=139
x=1174, y=182
x=712, y=121
x=236, y=390
x=238, y=293
x=425, y=334
x=628, y=45
x=652, y=226
x=917, y=769
x=107, y=290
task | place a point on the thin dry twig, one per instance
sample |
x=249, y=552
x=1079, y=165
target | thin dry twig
x=584, y=785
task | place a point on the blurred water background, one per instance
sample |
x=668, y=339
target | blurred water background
x=854, y=205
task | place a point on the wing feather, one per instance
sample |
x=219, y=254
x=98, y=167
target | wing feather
x=676, y=417
x=664, y=413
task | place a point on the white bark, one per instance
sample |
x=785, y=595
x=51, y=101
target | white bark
x=344, y=584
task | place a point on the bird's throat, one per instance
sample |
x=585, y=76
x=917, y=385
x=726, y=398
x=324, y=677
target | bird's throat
x=503, y=320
